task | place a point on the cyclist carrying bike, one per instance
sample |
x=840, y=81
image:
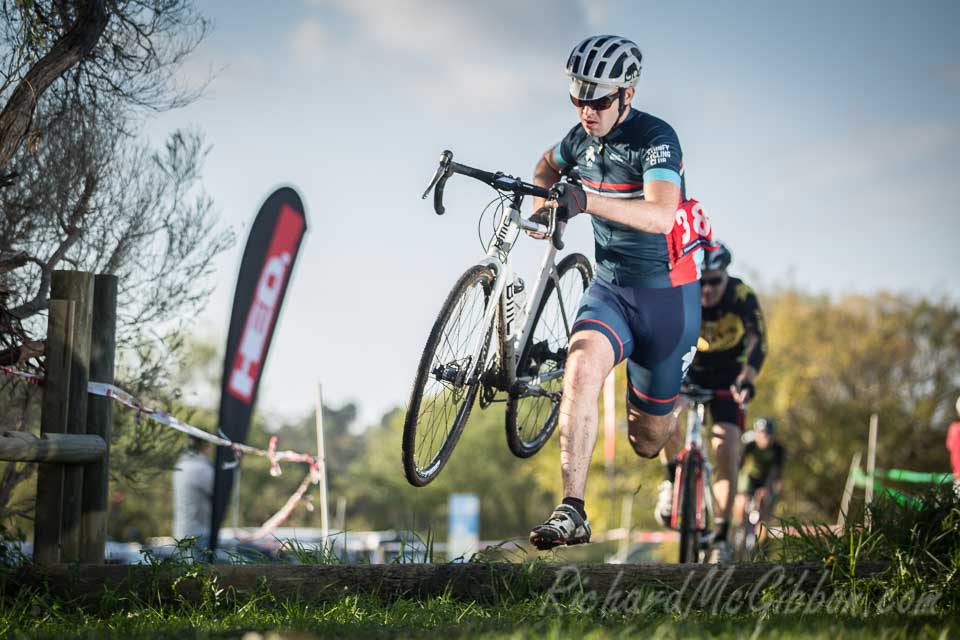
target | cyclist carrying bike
x=732, y=348
x=644, y=305
x=761, y=469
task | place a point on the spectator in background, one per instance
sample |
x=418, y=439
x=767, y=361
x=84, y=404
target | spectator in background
x=953, y=445
x=192, y=493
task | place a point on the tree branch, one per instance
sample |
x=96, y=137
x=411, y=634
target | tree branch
x=17, y=115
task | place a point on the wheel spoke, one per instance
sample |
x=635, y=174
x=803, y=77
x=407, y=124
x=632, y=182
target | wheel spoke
x=535, y=415
x=445, y=392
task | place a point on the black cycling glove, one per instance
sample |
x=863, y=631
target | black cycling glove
x=746, y=385
x=571, y=199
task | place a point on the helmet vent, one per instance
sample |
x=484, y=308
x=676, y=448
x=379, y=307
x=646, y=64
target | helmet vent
x=590, y=58
x=618, y=66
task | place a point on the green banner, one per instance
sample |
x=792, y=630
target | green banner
x=902, y=475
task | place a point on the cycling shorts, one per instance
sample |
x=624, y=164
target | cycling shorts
x=748, y=485
x=654, y=329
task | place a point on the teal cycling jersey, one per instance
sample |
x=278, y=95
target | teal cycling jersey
x=642, y=149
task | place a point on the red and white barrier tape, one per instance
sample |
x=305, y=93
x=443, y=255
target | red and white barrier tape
x=29, y=377
x=280, y=516
x=119, y=395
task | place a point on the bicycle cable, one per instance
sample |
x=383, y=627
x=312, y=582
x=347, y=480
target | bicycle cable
x=501, y=198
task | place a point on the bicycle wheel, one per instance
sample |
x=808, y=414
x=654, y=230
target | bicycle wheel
x=442, y=393
x=689, y=534
x=532, y=415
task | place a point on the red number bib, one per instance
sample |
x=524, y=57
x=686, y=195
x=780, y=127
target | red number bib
x=691, y=231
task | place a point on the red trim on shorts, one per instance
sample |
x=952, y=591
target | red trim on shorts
x=648, y=398
x=608, y=328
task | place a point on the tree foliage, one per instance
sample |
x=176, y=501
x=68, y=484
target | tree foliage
x=834, y=363
x=81, y=189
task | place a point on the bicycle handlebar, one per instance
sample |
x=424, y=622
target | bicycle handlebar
x=499, y=181
x=700, y=394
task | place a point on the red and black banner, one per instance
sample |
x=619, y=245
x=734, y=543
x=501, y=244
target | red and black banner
x=265, y=270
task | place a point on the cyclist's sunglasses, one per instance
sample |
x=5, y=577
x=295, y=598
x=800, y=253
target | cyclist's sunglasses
x=597, y=104
x=715, y=281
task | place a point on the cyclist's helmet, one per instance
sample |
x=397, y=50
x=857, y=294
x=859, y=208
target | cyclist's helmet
x=600, y=64
x=765, y=425
x=717, y=257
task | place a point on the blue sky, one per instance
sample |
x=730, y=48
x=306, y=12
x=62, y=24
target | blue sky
x=822, y=137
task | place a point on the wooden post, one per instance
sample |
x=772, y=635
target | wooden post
x=610, y=434
x=871, y=465
x=848, y=491
x=76, y=286
x=626, y=517
x=53, y=419
x=96, y=477
x=322, y=468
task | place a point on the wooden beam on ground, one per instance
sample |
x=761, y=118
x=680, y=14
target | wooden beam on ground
x=62, y=448
x=469, y=581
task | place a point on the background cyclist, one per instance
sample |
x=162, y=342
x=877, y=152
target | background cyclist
x=730, y=354
x=639, y=308
x=761, y=470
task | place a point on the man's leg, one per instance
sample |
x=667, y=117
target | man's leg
x=668, y=458
x=590, y=359
x=740, y=509
x=589, y=362
x=726, y=455
x=650, y=435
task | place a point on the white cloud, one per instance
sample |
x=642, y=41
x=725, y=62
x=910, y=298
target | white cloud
x=479, y=57
x=596, y=12
x=310, y=40
x=869, y=153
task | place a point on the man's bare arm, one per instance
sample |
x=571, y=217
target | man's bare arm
x=545, y=175
x=654, y=214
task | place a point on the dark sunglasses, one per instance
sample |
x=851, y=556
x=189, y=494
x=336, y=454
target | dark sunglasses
x=597, y=104
x=716, y=281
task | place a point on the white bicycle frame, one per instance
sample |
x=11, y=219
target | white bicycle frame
x=518, y=323
x=694, y=441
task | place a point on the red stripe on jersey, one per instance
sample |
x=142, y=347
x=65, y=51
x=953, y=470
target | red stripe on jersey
x=611, y=186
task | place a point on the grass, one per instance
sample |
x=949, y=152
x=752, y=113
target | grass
x=917, y=598
x=34, y=616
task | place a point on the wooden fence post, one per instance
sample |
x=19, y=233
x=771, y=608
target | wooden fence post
x=96, y=476
x=53, y=419
x=76, y=286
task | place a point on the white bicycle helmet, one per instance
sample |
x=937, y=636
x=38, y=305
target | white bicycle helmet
x=600, y=64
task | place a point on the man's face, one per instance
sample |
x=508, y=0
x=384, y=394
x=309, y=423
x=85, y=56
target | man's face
x=712, y=285
x=763, y=439
x=599, y=116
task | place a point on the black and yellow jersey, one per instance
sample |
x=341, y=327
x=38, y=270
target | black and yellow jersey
x=758, y=463
x=722, y=348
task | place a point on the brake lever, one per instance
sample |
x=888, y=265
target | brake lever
x=444, y=171
x=557, y=236
x=556, y=225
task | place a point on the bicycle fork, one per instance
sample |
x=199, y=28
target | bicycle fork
x=703, y=480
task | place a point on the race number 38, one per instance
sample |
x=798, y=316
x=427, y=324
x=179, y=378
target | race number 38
x=692, y=220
